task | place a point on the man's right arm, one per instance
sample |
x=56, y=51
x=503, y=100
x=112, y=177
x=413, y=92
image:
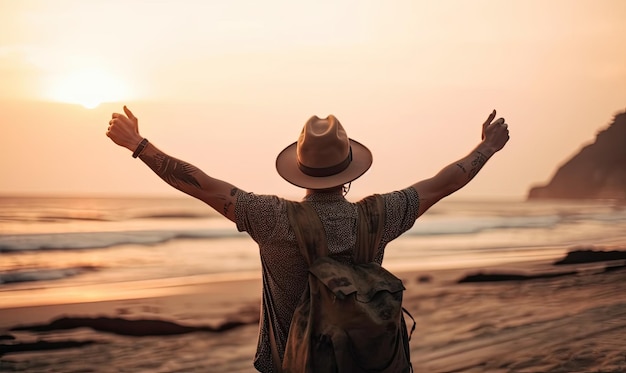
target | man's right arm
x=191, y=180
x=220, y=195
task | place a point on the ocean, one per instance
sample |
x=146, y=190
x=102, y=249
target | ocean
x=56, y=250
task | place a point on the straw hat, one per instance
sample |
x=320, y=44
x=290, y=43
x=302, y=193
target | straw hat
x=323, y=157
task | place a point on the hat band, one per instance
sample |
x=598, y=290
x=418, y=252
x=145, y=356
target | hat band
x=326, y=171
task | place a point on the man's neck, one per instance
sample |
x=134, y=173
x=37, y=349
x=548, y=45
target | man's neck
x=336, y=190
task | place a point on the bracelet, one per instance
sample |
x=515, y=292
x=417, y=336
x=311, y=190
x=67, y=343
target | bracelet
x=140, y=148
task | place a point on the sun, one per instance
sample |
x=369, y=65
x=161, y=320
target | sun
x=87, y=87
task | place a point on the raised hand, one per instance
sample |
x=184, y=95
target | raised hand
x=124, y=129
x=495, y=134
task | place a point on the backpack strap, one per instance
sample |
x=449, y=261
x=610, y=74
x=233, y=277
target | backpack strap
x=311, y=238
x=370, y=230
x=308, y=229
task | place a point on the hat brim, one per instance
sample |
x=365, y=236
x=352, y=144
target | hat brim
x=287, y=167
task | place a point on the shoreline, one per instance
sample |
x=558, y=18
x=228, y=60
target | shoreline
x=216, y=285
x=245, y=287
x=570, y=323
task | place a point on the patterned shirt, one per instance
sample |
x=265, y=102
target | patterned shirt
x=284, y=269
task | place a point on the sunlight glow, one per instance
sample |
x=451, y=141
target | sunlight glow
x=87, y=87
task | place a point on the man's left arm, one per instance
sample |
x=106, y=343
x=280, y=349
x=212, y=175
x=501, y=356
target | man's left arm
x=495, y=135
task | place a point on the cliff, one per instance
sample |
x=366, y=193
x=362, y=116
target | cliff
x=597, y=171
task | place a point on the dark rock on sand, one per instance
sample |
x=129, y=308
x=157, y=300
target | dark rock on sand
x=424, y=279
x=591, y=256
x=597, y=171
x=41, y=346
x=498, y=277
x=137, y=328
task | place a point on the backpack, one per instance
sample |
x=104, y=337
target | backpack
x=350, y=317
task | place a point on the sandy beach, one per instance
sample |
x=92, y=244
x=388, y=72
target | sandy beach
x=527, y=317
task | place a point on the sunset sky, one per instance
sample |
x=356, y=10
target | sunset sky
x=226, y=85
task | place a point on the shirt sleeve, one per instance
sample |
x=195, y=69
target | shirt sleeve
x=257, y=215
x=401, y=211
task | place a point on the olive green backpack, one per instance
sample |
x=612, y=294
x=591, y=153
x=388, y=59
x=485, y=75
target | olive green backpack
x=350, y=318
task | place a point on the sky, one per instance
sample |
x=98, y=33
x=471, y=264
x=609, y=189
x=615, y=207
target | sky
x=226, y=85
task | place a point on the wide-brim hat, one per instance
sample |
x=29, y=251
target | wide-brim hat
x=323, y=157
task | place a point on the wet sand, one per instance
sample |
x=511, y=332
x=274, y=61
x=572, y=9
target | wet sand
x=527, y=317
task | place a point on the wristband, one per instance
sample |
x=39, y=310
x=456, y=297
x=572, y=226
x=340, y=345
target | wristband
x=140, y=148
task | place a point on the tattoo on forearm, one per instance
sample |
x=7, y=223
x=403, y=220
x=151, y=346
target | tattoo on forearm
x=461, y=167
x=172, y=170
x=477, y=163
x=227, y=207
x=228, y=204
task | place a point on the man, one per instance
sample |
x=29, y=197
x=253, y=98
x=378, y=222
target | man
x=322, y=161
